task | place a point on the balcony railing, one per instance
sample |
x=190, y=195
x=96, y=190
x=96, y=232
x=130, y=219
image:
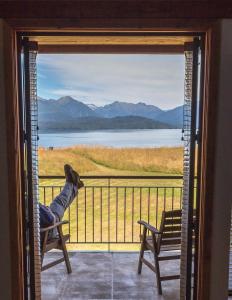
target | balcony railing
x=107, y=209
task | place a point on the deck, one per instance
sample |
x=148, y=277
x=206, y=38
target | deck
x=112, y=275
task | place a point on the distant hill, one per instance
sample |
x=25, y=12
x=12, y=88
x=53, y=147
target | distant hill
x=173, y=117
x=97, y=123
x=120, y=109
x=67, y=112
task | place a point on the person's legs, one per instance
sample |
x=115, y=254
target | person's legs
x=68, y=193
x=64, y=199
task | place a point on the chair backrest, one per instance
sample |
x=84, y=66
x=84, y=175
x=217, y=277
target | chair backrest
x=170, y=226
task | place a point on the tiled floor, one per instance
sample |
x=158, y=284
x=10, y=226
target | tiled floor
x=106, y=276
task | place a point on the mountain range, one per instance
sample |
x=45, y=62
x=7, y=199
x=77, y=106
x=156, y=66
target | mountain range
x=68, y=113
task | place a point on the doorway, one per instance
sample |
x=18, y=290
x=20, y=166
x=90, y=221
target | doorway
x=192, y=114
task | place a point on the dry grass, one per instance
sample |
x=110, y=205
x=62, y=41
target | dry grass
x=52, y=162
x=99, y=160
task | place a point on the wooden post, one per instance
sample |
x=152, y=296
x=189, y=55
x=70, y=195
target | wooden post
x=10, y=181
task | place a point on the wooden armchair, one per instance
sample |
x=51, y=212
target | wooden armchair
x=58, y=242
x=168, y=237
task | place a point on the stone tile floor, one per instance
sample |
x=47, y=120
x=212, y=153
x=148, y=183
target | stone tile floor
x=112, y=275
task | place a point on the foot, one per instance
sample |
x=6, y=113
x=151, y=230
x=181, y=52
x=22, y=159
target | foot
x=76, y=180
x=68, y=173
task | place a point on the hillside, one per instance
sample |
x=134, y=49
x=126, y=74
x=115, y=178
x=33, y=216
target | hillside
x=96, y=123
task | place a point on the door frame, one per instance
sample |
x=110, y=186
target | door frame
x=207, y=152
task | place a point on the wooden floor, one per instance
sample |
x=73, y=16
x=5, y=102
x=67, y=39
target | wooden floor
x=106, y=276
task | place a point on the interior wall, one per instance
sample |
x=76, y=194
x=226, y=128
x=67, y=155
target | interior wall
x=222, y=199
x=5, y=259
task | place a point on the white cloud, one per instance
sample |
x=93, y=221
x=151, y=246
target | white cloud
x=101, y=79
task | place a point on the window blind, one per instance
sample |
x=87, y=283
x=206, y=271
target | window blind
x=189, y=138
x=31, y=159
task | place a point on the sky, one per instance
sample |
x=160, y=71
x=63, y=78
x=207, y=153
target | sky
x=101, y=79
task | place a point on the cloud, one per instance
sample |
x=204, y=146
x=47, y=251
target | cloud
x=101, y=79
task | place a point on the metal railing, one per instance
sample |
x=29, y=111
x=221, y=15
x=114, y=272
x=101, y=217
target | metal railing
x=107, y=209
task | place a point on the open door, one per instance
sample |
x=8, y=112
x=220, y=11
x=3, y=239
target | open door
x=191, y=133
x=29, y=123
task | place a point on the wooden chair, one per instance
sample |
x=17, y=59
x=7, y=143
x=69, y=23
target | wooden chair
x=167, y=238
x=55, y=243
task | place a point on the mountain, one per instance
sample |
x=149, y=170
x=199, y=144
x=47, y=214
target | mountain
x=173, y=117
x=97, y=123
x=68, y=111
x=92, y=106
x=64, y=108
x=119, y=109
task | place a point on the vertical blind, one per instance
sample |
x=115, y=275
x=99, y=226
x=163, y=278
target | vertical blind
x=31, y=159
x=34, y=153
x=186, y=169
x=189, y=128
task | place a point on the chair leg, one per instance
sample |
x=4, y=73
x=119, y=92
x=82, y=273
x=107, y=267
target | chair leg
x=67, y=261
x=43, y=247
x=141, y=254
x=157, y=268
x=65, y=252
x=140, y=259
x=159, y=286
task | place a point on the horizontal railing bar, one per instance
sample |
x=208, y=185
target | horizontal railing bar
x=113, y=177
x=119, y=186
x=106, y=243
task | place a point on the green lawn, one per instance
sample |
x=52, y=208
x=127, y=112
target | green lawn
x=109, y=210
x=102, y=213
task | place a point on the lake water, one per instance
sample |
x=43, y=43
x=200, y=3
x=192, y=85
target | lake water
x=114, y=138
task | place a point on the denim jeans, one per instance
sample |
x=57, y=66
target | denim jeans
x=63, y=200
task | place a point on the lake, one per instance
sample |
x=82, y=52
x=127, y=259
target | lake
x=114, y=138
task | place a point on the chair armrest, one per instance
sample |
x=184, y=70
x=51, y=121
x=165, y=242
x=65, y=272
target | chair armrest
x=44, y=229
x=149, y=227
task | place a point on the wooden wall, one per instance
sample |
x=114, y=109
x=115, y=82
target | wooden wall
x=124, y=15
x=112, y=13
x=119, y=9
x=11, y=246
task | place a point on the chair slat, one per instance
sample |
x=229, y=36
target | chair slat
x=171, y=228
x=171, y=241
x=172, y=221
x=167, y=235
x=173, y=213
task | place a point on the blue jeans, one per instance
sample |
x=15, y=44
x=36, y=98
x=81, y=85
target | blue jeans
x=63, y=200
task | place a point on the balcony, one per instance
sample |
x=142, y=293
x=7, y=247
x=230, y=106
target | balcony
x=111, y=275
x=105, y=237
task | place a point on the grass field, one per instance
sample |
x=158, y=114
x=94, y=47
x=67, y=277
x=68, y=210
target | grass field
x=109, y=210
x=108, y=161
